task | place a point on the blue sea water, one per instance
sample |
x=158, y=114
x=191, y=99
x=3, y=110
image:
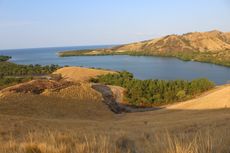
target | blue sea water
x=142, y=67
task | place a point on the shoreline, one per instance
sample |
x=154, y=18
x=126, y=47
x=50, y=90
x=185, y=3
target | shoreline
x=135, y=53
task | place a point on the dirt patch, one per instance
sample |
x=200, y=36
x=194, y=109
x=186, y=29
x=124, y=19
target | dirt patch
x=118, y=93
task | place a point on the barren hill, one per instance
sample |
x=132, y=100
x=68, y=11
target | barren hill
x=212, y=41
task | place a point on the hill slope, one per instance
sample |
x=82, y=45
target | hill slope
x=212, y=41
x=219, y=98
x=212, y=47
x=65, y=114
x=67, y=120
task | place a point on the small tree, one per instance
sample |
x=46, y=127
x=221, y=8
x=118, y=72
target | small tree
x=181, y=94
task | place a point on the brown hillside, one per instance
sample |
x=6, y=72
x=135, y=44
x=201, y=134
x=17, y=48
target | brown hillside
x=212, y=41
x=67, y=120
x=210, y=47
x=35, y=87
x=218, y=98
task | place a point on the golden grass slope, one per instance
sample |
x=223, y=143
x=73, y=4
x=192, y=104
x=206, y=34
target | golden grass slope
x=74, y=119
x=212, y=41
x=80, y=92
x=58, y=142
x=218, y=98
x=34, y=87
x=53, y=123
x=77, y=74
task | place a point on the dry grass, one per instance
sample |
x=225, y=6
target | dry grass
x=35, y=87
x=80, y=91
x=211, y=41
x=217, y=98
x=201, y=142
x=71, y=142
x=74, y=120
x=56, y=142
x=77, y=74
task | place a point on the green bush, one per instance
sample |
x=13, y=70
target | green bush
x=4, y=58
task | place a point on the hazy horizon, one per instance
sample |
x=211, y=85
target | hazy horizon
x=30, y=24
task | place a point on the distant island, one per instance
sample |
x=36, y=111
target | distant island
x=211, y=47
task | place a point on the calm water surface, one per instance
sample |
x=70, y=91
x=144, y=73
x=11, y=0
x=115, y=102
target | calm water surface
x=141, y=66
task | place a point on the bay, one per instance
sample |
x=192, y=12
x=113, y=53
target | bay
x=143, y=67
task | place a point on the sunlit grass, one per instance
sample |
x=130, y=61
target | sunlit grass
x=209, y=141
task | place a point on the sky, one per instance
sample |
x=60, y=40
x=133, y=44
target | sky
x=52, y=23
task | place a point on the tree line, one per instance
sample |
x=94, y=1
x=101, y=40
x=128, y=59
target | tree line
x=11, y=69
x=155, y=92
x=11, y=73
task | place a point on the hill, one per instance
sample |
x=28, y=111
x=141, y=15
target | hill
x=77, y=74
x=212, y=41
x=72, y=115
x=212, y=47
x=52, y=123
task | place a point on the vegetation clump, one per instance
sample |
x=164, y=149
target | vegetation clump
x=4, y=58
x=155, y=92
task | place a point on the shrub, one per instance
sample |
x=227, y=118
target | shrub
x=4, y=58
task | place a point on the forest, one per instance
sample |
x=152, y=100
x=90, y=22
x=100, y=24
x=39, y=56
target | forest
x=11, y=69
x=155, y=92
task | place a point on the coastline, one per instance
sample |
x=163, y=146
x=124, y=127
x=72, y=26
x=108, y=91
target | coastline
x=181, y=56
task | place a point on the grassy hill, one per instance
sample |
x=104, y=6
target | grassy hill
x=52, y=124
x=211, y=47
x=70, y=116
